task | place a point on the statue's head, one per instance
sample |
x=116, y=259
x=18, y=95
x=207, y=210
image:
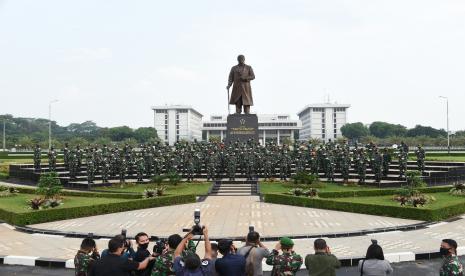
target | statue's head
x=241, y=59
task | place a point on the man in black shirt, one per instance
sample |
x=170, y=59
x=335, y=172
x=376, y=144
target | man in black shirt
x=142, y=240
x=113, y=265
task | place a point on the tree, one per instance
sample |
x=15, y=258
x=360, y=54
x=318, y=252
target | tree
x=354, y=131
x=25, y=142
x=144, y=134
x=383, y=129
x=49, y=185
x=120, y=133
x=420, y=130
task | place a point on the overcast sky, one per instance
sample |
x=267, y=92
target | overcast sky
x=110, y=61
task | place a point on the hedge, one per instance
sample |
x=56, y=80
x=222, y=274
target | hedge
x=48, y=215
x=27, y=190
x=377, y=192
x=371, y=209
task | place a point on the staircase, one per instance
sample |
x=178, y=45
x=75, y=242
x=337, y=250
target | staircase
x=234, y=188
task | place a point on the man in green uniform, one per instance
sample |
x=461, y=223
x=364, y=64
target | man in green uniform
x=163, y=265
x=377, y=165
x=286, y=264
x=451, y=265
x=105, y=169
x=140, y=167
x=52, y=159
x=37, y=157
x=86, y=256
x=386, y=161
x=420, y=153
x=322, y=263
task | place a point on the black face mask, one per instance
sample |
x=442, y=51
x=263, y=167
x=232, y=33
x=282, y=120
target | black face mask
x=144, y=245
x=444, y=251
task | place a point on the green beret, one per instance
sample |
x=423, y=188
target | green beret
x=285, y=241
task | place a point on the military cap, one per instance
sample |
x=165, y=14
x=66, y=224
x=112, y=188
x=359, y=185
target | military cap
x=285, y=241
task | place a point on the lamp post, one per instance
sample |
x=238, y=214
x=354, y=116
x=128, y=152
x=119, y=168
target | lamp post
x=50, y=123
x=447, y=114
x=4, y=137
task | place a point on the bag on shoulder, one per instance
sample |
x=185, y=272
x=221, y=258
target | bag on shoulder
x=249, y=265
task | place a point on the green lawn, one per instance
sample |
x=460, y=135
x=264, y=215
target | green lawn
x=18, y=203
x=283, y=187
x=196, y=188
x=442, y=200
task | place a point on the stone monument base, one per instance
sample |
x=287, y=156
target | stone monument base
x=241, y=127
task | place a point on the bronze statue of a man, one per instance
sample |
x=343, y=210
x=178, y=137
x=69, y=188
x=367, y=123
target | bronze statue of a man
x=241, y=95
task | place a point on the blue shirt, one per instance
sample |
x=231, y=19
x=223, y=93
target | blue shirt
x=230, y=265
x=206, y=268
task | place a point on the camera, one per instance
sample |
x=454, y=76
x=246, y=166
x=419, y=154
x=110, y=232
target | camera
x=197, y=229
x=90, y=235
x=123, y=233
x=159, y=246
x=373, y=241
x=251, y=229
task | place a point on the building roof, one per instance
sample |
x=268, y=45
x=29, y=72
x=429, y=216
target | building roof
x=176, y=106
x=322, y=105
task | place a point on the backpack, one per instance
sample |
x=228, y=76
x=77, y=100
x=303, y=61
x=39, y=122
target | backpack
x=249, y=265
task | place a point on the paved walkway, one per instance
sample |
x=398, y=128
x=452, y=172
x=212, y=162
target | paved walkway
x=228, y=216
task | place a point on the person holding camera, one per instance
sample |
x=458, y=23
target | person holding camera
x=231, y=264
x=254, y=252
x=322, y=263
x=142, y=240
x=190, y=264
x=286, y=264
x=163, y=265
x=374, y=263
x=86, y=256
x=128, y=252
x=112, y=264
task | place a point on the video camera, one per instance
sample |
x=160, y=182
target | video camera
x=159, y=246
x=197, y=229
x=124, y=233
x=251, y=228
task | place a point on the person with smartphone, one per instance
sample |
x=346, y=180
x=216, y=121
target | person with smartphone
x=322, y=263
x=254, y=252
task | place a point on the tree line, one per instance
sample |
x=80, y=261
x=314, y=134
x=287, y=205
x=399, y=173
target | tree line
x=387, y=133
x=24, y=133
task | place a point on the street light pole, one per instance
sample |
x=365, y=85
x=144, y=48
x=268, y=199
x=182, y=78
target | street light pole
x=50, y=123
x=4, y=137
x=447, y=115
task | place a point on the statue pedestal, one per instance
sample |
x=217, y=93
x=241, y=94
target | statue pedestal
x=241, y=127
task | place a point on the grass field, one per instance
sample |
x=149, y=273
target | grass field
x=18, y=203
x=283, y=187
x=196, y=188
x=442, y=200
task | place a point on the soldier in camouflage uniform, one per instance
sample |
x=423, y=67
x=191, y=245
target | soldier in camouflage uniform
x=361, y=167
x=163, y=265
x=250, y=160
x=286, y=264
x=90, y=170
x=268, y=167
x=189, y=168
x=122, y=170
x=140, y=167
x=37, y=157
x=86, y=256
x=105, y=169
x=402, y=162
x=232, y=164
x=66, y=156
x=377, y=165
x=345, y=166
x=329, y=166
x=420, y=153
x=72, y=165
x=211, y=166
x=52, y=159
x=78, y=153
x=451, y=265
x=284, y=165
x=386, y=161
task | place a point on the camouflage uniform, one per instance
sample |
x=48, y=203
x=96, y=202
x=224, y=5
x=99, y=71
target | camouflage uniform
x=72, y=165
x=386, y=161
x=361, y=168
x=402, y=163
x=451, y=266
x=90, y=170
x=122, y=170
x=286, y=264
x=105, y=170
x=378, y=166
x=345, y=167
x=284, y=165
x=163, y=265
x=420, y=153
x=82, y=262
x=66, y=156
x=37, y=157
x=52, y=160
x=140, y=168
x=232, y=166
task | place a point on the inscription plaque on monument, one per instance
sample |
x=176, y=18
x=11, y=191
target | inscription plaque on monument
x=241, y=127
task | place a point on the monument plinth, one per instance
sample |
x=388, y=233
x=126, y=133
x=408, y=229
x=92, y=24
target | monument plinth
x=241, y=127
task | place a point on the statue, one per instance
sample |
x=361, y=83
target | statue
x=240, y=76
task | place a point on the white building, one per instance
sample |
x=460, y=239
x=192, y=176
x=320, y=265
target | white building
x=322, y=121
x=177, y=122
x=276, y=127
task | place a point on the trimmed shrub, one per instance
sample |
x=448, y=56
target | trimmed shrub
x=49, y=185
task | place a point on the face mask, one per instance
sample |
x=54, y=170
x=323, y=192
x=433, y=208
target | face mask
x=444, y=251
x=144, y=245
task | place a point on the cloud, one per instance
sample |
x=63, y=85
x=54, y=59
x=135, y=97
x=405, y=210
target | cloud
x=87, y=54
x=177, y=73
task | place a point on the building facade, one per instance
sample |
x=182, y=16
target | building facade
x=272, y=127
x=177, y=122
x=322, y=121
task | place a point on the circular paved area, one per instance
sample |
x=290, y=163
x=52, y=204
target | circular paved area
x=228, y=216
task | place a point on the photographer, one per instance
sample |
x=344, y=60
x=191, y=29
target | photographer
x=322, y=262
x=230, y=264
x=142, y=240
x=128, y=252
x=254, y=252
x=86, y=256
x=113, y=264
x=164, y=263
x=289, y=262
x=191, y=263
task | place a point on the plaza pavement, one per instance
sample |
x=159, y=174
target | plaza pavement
x=228, y=216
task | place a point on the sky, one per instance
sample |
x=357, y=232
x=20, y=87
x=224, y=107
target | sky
x=111, y=61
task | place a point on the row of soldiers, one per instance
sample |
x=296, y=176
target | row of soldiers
x=218, y=160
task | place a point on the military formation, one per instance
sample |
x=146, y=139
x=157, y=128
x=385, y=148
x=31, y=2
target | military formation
x=248, y=160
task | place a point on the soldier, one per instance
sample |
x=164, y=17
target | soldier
x=402, y=162
x=211, y=166
x=284, y=165
x=190, y=168
x=140, y=167
x=345, y=166
x=66, y=156
x=250, y=160
x=378, y=166
x=386, y=161
x=78, y=153
x=286, y=264
x=72, y=165
x=86, y=256
x=329, y=166
x=90, y=170
x=37, y=157
x=404, y=147
x=268, y=167
x=52, y=159
x=361, y=167
x=232, y=165
x=420, y=153
x=105, y=170
x=122, y=170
